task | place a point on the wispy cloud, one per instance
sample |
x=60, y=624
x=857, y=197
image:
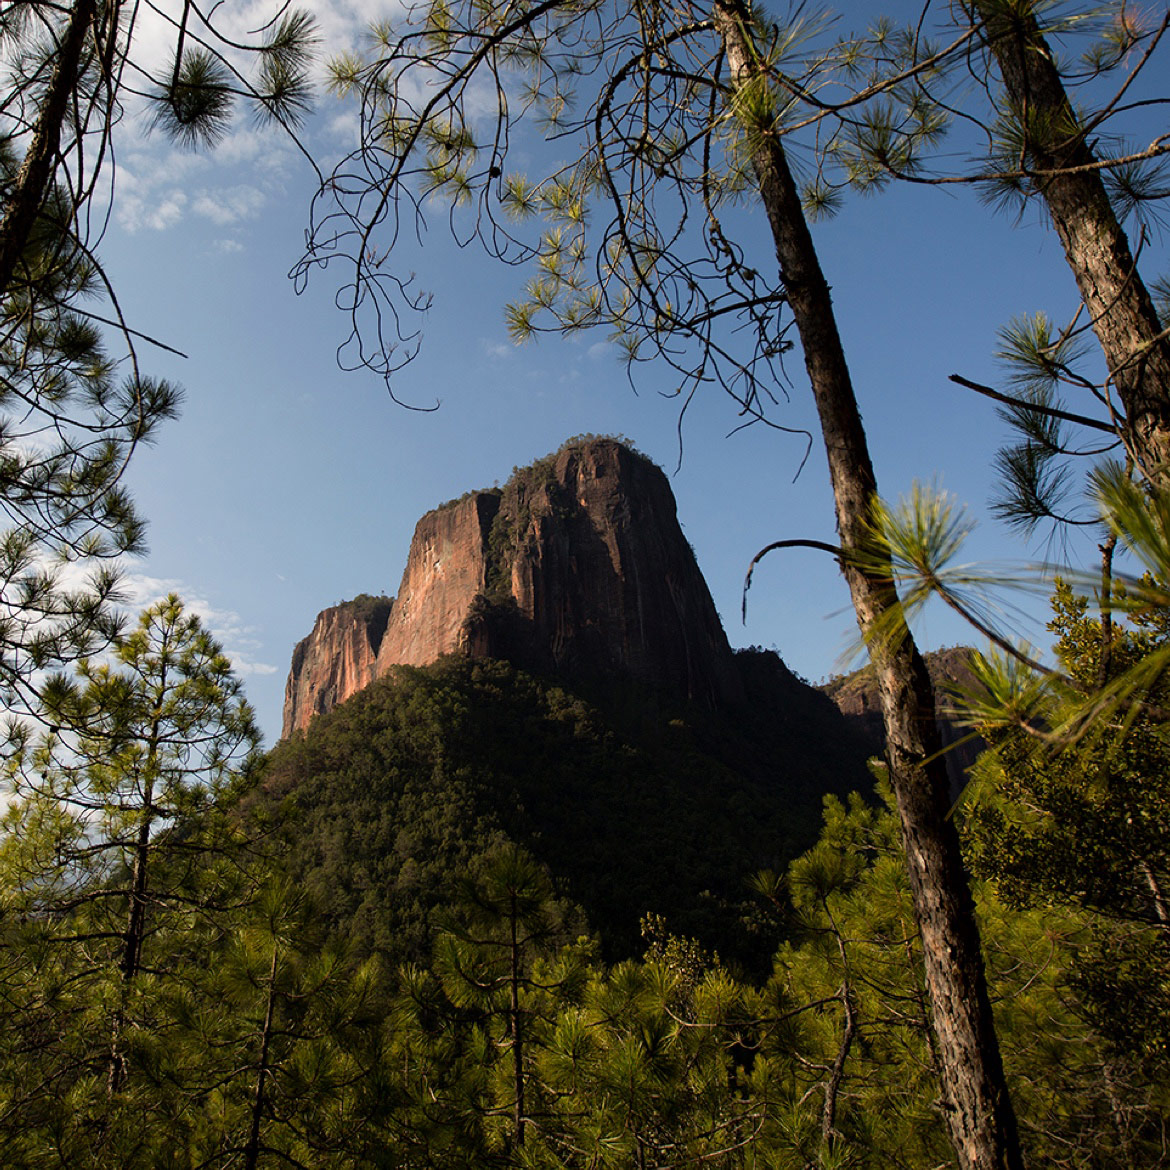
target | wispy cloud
x=227, y=205
x=159, y=186
x=239, y=640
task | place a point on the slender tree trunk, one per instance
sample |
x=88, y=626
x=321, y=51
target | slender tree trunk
x=516, y=1026
x=252, y=1149
x=139, y=880
x=1105, y=663
x=1096, y=247
x=40, y=161
x=135, y=930
x=837, y=1076
x=1161, y=909
x=979, y=1112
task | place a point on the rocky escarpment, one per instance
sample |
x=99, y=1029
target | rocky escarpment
x=589, y=576
x=336, y=660
x=576, y=567
x=856, y=696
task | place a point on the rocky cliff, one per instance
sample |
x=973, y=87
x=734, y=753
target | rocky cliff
x=856, y=696
x=576, y=567
x=336, y=660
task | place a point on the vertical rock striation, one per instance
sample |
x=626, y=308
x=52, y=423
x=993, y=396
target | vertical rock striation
x=446, y=570
x=577, y=567
x=587, y=547
x=336, y=660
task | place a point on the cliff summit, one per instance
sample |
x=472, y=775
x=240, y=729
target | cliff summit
x=577, y=567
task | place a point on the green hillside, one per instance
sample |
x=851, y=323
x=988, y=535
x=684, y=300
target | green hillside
x=633, y=809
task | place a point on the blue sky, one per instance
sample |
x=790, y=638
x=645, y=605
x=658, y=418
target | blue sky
x=289, y=485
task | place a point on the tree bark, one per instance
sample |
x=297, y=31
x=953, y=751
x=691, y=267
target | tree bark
x=135, y=932
x=1095, y=246
x=252, y=1149
x=979, y=1112
x=40, y=161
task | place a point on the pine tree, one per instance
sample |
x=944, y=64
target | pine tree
x=1054, y=145
x=494, y=958
x=74, y=401
x=1087, y=824
x=116, y=856
x=686, y=112
x=281, y=1031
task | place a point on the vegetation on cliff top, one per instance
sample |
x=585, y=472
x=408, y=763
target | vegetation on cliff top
x=540, y=471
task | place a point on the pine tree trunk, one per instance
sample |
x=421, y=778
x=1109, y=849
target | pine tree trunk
x=35, y=178
x=1097, y=249
x=516, y=1027
x=979, y=1112
x=252, y=1149
x=135, y=931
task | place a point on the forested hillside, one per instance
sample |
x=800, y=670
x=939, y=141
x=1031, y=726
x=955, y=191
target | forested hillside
x=568, y=898
x=471, y=919
x=633, y=811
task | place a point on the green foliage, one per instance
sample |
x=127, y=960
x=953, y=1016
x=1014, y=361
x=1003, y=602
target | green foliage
x=255, y=1030
x=281, y=1029
x=635, y=811
x=73, y=409
x=69, y=421
x=846, y=1069
x=1088, y=825
x=118, y=865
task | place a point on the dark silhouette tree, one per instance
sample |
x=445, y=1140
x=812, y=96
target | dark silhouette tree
x=74, y=403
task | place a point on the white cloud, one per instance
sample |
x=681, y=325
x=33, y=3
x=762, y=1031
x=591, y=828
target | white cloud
x=345, y=24
x=266, y=151
x=345, y=127
x=238, y=639
x=497, y=349
x=157, y=183
x=151, y=192
x=226, y=205
x=168, y=212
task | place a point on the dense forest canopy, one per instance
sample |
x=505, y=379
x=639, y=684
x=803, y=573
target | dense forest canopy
x=204, y=958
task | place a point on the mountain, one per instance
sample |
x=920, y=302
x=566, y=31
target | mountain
x=338, y=659
x=632, y=806
x=577, y=568
x=856, y=696
x=553, y=673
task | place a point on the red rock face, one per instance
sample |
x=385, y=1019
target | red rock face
x=446, y=569
x=335, y=661
x=578, y=567
x=605, y=582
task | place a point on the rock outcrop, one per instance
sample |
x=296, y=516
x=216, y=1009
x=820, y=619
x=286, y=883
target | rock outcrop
x=336, y=660
x=856, y=696
x=447, y=569
x=589, y=576
x=576, y=567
